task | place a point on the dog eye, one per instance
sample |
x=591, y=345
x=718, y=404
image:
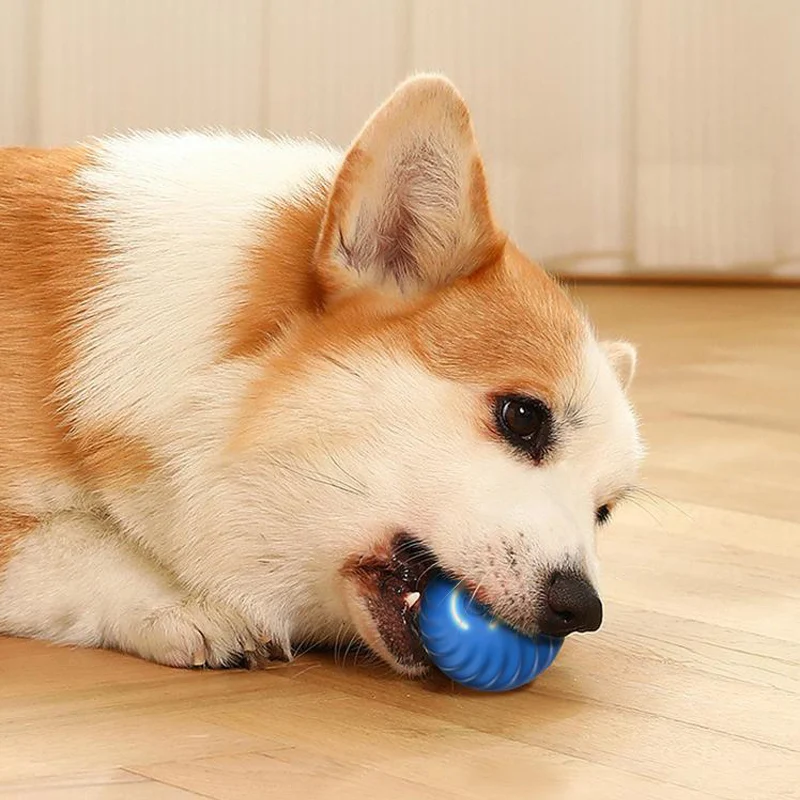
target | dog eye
x=602, y=515
x=525, y=423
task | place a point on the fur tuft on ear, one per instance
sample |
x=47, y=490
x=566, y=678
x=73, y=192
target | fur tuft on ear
x=409, y=207
x=622, y=357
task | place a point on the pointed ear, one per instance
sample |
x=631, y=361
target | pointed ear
x=409, y=207
x=622, y=357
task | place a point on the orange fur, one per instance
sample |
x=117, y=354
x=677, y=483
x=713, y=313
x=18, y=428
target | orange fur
x=13, y=528
x=48, y=253
x=279, y=282
x=525, y=331
x=526, y=334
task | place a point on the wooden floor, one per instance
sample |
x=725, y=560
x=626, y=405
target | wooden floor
x=691, y=689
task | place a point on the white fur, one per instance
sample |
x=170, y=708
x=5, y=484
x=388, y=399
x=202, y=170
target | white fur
x=76, y=581
x=181, y=213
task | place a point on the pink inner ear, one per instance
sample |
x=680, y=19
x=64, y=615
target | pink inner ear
x=622, y=357
x=395, y=244
x=414, y=220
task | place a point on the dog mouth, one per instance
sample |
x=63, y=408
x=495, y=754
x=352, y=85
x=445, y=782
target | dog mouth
x=388, y=587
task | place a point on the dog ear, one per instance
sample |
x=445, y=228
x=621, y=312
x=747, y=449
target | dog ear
x=409, y=207
x=622, y=357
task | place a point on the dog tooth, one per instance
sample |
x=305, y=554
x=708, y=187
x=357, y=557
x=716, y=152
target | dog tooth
x=411, y=599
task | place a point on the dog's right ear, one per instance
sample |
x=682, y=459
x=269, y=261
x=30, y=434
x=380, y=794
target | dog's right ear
x=622, y=357
x=409, y=208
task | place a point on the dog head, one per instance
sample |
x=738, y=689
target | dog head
x=448, y=407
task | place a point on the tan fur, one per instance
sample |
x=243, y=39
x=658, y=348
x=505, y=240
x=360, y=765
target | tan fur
x=14, y=526
x=279, y=282
x=508, y=327
x=48, y=255
x=110, y=460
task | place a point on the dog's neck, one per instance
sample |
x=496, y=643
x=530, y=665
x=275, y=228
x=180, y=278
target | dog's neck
x=282, y=282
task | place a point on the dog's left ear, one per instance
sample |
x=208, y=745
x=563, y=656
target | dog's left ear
x=409, y=208
x=622, y=357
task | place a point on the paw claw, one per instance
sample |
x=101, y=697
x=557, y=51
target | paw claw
x=276, y=651
x=201, y=636
x=260, y=658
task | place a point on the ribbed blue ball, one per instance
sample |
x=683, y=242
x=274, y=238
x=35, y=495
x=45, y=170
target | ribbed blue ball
x=474, y=648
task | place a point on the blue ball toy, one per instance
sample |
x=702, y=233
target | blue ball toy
x=474, y=648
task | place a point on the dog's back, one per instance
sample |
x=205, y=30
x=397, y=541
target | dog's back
x=45, y=255
x=130, y=267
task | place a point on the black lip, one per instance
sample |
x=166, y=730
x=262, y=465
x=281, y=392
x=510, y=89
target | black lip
x=413, y=562
x=386, y=581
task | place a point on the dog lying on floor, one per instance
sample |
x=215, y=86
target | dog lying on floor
x=254, y=392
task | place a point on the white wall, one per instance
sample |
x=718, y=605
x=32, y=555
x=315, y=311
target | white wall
x=620, y=135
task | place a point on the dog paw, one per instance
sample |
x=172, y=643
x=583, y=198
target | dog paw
x=200, y=635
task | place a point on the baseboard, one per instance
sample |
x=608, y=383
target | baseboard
x=683, y=279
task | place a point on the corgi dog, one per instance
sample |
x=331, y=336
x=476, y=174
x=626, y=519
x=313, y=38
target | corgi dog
x=254, y=392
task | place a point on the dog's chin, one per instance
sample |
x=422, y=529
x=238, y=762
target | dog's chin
x=383, y=591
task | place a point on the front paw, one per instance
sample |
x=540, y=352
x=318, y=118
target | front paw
x=198, y=634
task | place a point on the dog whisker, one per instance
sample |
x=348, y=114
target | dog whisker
x=655, y=498
x=344, y=367
x=646, y=510
x=319, y=478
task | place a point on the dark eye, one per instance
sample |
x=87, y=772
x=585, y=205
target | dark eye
x=525, y=423
x=602, y=514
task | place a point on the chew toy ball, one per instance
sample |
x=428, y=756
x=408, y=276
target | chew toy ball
x=474, y=648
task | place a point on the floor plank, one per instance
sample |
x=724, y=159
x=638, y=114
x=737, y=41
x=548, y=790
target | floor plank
x=108, y=785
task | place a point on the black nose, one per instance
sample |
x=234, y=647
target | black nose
x=572, y=605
